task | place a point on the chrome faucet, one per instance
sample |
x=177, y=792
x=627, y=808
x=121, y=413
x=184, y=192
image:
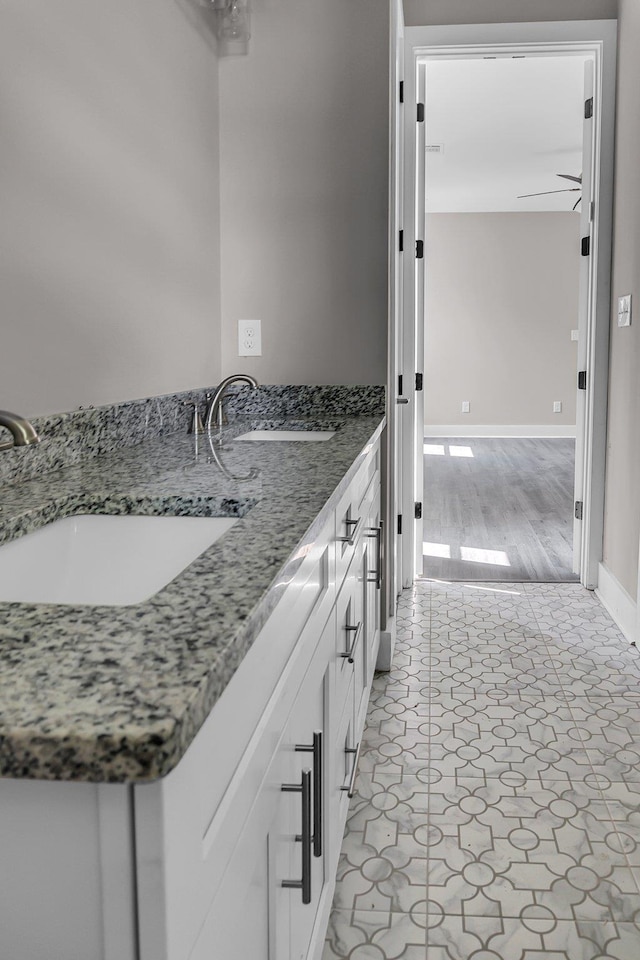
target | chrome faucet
x=23, y=431
x=214, y=410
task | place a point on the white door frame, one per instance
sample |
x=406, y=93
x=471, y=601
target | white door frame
x=596, y=38
x=392, y=466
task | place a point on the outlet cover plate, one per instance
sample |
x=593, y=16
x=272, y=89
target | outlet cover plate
x=249, y=338
x=624, y=311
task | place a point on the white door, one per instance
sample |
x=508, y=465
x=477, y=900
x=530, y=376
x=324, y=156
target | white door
x=585, y=312
x=394, y=573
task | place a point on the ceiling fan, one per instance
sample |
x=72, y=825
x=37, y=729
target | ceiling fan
x=565, y=176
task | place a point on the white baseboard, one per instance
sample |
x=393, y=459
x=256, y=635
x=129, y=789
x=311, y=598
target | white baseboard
x=617, y=601
x=499, y=430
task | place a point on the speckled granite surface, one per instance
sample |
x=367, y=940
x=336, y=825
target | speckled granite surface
x=118, y=693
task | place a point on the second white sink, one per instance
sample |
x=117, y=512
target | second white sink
x=100, y=559
x=287, y=435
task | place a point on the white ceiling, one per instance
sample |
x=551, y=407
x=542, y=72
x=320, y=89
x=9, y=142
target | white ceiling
x=507, y=126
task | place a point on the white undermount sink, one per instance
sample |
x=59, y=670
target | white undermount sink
x=101, y=559
x=287, y=435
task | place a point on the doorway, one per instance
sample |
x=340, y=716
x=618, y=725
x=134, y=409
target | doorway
x=504, y=157
x=590, y=40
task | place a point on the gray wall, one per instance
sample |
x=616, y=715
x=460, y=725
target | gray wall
x=432, y=12
x=109, y=233
x=501, y=301
x=622, y=504
x=304, y=159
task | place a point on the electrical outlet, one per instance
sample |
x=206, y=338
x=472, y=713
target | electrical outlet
x=466, y=406
x=249, y=338
x=574, y=334
x=624, y=311
x=557, y=406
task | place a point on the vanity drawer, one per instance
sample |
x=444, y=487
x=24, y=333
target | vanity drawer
x=349, y=651
x=349, y=516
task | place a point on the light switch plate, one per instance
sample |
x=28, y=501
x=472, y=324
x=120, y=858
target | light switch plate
x=249, y=338
x=624, y=311
x=574, y=334
x=466, y=406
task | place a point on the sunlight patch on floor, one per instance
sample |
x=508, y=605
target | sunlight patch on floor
x=477, y=555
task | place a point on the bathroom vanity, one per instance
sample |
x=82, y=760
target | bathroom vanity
x=176, y=772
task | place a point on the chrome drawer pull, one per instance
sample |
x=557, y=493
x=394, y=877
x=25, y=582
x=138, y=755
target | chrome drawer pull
x=316, y=749
x=357, y=630
x=351, y=789
x=376, y=532
x=303, y=788
x=355, y=533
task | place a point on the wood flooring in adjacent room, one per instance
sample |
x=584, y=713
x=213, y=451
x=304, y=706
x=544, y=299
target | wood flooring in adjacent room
x=498, y=508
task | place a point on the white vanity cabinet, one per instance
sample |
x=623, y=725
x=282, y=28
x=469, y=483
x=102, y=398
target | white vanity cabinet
x=259, y=875
x=233, y=854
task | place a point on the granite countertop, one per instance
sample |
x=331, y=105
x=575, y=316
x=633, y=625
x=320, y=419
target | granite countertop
x=116, y=694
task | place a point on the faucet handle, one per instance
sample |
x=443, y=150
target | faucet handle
x=195, y=424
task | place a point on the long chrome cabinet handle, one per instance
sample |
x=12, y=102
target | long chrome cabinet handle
x=353, y=536
x=356, y=630
x=316, y=749
x=351, y=789
x=303, y=788
x=376, y=532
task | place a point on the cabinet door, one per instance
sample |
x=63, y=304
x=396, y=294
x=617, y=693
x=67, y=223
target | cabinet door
x=342, y=760
x=372, y=584
x=350, y=630
x=305, y=747
x=250, y=914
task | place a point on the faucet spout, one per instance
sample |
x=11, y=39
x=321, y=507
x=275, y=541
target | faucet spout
x=214, y=410
x=22, y=431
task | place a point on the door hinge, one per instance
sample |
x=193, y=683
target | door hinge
x=402, y=91
x=578, y=510
x=588, y=108
x=399, y=523
x=585, y=246
x=419, y=249
x=419, y=379
x=399, y=384
x=401, y=240
x=582, y=380
x=417, y=511
x=420, y=113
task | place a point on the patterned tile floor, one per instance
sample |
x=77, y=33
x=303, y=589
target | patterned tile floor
x=498, y=807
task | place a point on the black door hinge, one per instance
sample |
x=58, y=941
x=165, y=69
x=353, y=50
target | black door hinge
x=399, y=523
x=419, y=249
x=588, y=108
x=585, y=246
x=399, y=384
x=420, y=113
x=402, y=91
x=419, y=379
x=578, y=510
x=582, y=380
x=401, y=240
x=417, y=511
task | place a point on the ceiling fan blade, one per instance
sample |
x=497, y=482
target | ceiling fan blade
x=545, y=192
x=567, y=176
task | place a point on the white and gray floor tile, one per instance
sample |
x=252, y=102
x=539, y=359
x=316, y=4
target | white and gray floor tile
x=497, y=815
